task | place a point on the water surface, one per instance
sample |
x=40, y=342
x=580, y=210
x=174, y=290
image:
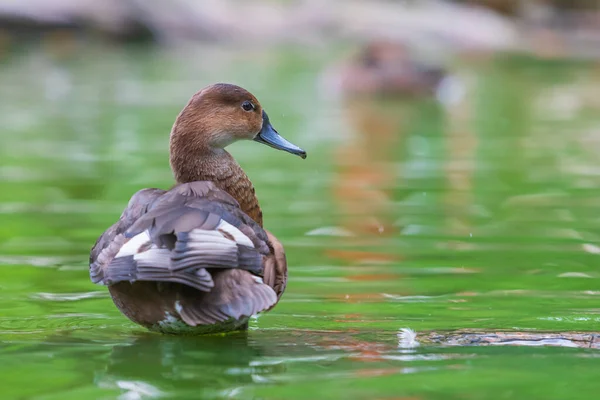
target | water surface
x=480, y=213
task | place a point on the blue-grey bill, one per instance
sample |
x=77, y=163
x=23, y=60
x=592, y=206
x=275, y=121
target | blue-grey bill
x=269, y=136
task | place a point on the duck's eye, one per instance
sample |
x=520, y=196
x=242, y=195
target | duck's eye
x=248, y=106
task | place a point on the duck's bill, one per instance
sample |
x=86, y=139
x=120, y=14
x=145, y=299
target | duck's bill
x=269, y=136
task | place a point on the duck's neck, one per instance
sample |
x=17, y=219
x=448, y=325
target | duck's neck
x=220, y=168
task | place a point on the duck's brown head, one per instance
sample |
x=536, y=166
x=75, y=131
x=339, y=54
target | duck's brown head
x=219, y=115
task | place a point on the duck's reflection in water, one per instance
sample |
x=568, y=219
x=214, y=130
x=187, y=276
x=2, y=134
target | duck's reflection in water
x=385, y=94
x=366, y=170
x=153, y=366
x=156, y=365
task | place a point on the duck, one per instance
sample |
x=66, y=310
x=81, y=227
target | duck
x=195, y=259
x=383, y=67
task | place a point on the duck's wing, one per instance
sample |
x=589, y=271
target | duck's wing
x=110, y=242
x=199, y=205
x=184, y=231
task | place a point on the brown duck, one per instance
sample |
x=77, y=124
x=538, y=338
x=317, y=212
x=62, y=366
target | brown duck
x=195, y=259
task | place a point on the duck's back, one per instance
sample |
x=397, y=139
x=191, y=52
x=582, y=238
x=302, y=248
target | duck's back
x=187, y=259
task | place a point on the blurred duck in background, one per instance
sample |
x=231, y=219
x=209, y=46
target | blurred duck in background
x=386, y=67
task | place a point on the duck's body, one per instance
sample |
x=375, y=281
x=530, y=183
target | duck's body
x=195, y=259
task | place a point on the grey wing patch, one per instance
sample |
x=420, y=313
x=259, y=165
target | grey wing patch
x=104, y=257
x=138, y=259
x=154, y=265
x=177, y=235
x=166, y=214
x=110, y=242
x=213, y=249
x=198, y=237
x=236, y=294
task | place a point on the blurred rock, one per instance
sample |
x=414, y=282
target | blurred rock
x=551, y=28
x=110, y=17
x=543, y=27
x=560, y=29
x=265, y=21
x=505, y=7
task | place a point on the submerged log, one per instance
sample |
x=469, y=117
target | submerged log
x=469, y=337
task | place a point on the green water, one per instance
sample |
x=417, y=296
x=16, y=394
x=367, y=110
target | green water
x=482, y=215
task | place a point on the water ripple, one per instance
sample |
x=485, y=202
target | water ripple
x=69, y=296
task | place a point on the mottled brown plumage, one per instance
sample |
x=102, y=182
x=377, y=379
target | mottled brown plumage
x=196, y=259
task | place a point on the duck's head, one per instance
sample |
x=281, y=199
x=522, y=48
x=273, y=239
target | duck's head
x=221, y=114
